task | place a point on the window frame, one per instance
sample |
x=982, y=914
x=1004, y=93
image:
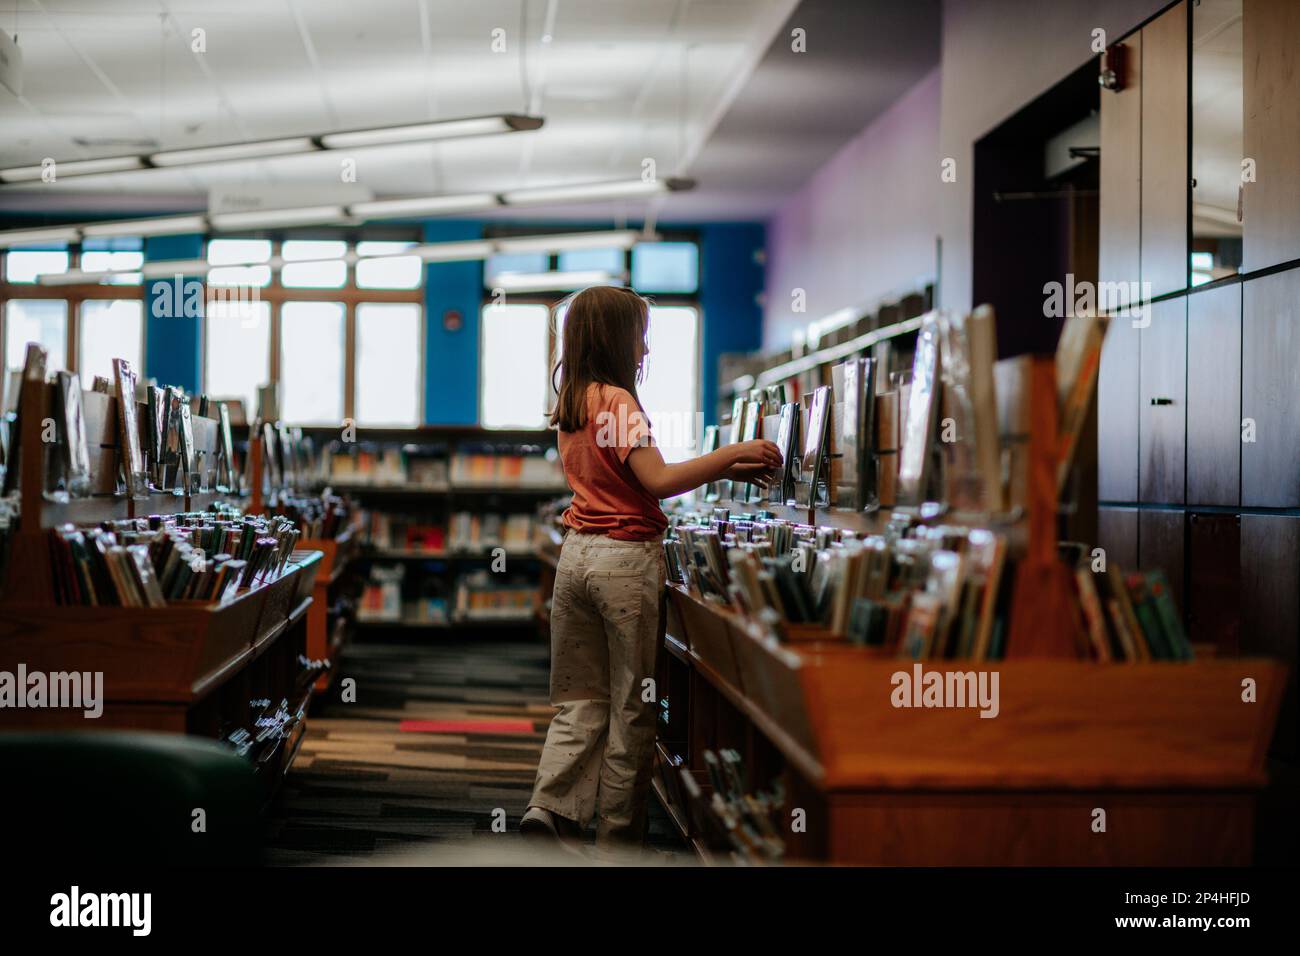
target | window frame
x=74, y=296
x=276, y=294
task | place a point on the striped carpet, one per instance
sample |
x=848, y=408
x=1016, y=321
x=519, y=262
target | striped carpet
x=364, y=790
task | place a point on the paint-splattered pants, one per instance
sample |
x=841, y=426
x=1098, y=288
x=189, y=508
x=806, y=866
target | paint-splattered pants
x=606, y=616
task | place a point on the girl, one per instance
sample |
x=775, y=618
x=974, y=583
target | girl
x=606, y=608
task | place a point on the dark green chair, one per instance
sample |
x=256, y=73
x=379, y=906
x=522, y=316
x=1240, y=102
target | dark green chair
x=120, y=798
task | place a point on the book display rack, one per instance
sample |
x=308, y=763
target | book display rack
x=133, y=568
x=905, y=657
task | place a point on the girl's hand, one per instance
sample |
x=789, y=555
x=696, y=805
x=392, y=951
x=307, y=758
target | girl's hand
x=759, y=451
x=754, y=474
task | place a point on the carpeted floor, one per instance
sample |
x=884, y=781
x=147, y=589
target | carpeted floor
x=364, y=790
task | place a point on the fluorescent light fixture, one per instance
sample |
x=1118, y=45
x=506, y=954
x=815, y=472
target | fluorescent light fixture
x=589, y=192
x=468, y=251
x=554, y=281
x=165, y=226
x=423, y=206
x=287, y=146
x=572, y=242
x=76, y=276
x=74, y=167
x=233, y=151
x=428, y=132
x=265, y=218
x=21, y=237
x=167, y=268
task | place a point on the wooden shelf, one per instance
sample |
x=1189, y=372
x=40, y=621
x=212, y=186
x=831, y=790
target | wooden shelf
x=1169, y=746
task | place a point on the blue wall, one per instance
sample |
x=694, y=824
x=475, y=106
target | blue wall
x=173, y=343
x=731, y=279
x=451, y=357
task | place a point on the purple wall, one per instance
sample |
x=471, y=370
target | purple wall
x=864, y=225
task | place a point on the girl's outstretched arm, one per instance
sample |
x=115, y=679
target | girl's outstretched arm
x=757, y=459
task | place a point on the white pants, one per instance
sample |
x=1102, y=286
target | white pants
x=606, y=615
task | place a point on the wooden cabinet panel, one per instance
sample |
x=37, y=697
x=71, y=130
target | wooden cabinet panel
x=1214, y=396
x=1120, y=202
x=1117, y=413
x=1271, y=58
x=1214, y=581
x=1270, y=603
x=1117, y=535
x=1160, y=545
x=1162, y=404
x=1165, y=176
x=1270, y=391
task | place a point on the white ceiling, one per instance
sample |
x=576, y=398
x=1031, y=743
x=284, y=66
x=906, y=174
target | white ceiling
x=620, y=80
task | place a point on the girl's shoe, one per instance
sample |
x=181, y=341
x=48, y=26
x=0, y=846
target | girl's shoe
x=539, y=824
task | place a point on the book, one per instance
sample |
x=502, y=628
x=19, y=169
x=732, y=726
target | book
x=1078, y=358
x=72, y=439
x=1170, y=620
x=33, y=371
x=1093, y=614
x=968, y=349
x=130, y=453
x=856, y=487
x=227, y=478
x=710, y=443
x=787, y=440
x=812, y=461
x=919, y=421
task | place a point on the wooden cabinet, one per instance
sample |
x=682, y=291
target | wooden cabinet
x=1270, y=603
x=1214, y=581
x=1120, y=202
x=1161, y=537
x=1117, y=413
x=1270, y=391
x=1162, y=404
x=1117, y=535
x=1165, y=175
x=1271, y=92
x=1214, y=396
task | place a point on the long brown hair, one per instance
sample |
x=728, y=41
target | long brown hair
x=605, y=328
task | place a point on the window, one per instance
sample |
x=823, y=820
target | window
x=36, y=320
x=592, y=260
x=671, y=387
x=509, y=263
x=385, y=270
x=239, y=258
x=388, y=381
x=116, y=254
x=514, y=380
x=669, y=392
x=311, y=362
x=24, y=265
x=665, y=267
x=327, y=270
x=110, y=329
x=237, y=351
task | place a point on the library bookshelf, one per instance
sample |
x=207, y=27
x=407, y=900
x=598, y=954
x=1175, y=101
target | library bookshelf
x=1157, y=763
x=413, y=485
x=191, y=667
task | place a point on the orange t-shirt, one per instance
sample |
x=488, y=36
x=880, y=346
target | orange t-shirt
x=607, y=497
